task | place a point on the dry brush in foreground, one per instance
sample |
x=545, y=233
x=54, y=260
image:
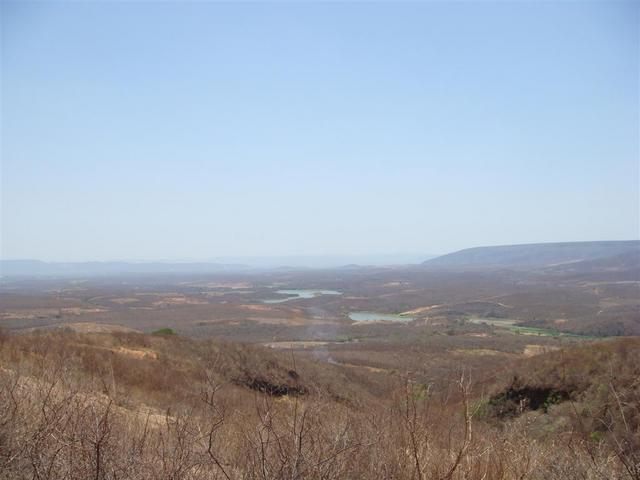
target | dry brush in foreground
x=70, y=410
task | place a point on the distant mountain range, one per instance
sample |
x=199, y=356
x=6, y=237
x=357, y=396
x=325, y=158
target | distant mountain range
x=564, y=256
x=11, y=268
x=40, y=268
x=560, y=257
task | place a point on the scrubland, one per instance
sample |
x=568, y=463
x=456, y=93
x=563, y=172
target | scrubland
x=496, y=375
x=127, y=405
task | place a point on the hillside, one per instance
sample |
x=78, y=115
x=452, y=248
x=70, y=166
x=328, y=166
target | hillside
x=542, y=255
x=127, y=405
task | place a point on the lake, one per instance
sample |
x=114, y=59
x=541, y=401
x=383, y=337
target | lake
x=296, y=294
x=376, y=317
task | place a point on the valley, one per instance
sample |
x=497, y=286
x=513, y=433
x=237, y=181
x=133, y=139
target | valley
x=287, y=370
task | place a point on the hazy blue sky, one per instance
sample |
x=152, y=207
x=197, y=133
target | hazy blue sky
x=192, y=131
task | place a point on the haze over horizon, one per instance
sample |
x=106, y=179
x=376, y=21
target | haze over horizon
x=148, y=131
x=304, y=261
x=268, y=261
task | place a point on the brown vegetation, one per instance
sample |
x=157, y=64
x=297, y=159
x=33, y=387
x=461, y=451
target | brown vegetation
x=75, y=406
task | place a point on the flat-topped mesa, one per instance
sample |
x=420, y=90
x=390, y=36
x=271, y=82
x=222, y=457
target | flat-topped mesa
x=561, y=256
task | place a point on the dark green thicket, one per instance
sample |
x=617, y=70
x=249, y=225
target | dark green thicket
x=165, y=331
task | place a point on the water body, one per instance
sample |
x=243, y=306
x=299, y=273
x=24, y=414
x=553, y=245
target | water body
x=376, y=317
x=297, y=294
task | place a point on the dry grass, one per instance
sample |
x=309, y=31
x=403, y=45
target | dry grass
x=72, y=406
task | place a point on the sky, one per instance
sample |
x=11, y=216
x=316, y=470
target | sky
x=192, y=131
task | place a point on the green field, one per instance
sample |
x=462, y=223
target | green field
x=514, y=327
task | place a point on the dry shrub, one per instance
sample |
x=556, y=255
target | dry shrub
x=66, y=411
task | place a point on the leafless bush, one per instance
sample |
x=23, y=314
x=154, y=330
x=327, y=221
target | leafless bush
x=66, y=413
